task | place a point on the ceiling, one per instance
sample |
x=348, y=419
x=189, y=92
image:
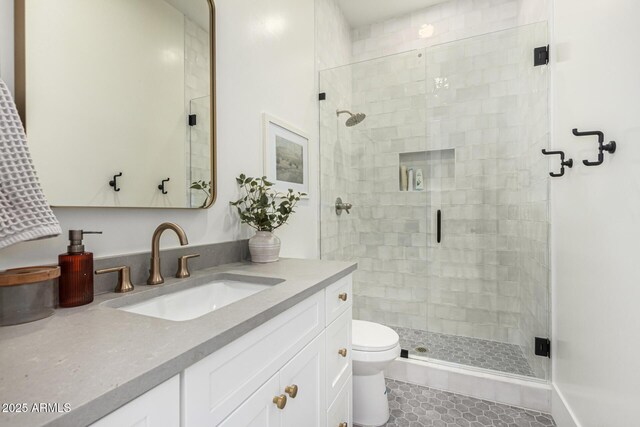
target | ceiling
x=363, y=12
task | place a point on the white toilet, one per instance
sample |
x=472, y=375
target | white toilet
x=374, y=347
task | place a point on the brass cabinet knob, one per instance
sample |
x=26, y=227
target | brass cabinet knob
x=291, y=390
x=342, y=352
x=124, y=278
x=343, y=296
x=343, y=425
x=280, y=401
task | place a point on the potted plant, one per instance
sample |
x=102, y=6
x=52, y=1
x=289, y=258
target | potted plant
x=266, y=210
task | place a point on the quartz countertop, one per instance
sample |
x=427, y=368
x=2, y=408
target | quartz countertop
x=96, y=358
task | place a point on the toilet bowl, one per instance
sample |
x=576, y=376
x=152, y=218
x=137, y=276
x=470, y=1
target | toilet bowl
x=374, y=347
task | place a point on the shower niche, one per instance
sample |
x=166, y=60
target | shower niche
x=438, y=169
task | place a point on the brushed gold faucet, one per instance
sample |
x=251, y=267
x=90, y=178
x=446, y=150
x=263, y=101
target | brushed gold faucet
x=155, y=277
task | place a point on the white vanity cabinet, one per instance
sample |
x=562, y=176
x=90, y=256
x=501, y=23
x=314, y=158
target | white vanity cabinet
x=308, y=347
x=293, y=370
x=218, y=384
x=160, y=406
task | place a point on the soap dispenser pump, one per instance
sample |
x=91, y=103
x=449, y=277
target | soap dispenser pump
x=75, y=286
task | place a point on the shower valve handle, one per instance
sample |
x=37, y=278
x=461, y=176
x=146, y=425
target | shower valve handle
x=340, y=206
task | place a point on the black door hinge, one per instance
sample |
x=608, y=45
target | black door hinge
x=192, y=120
x=541, y=56
x=322, y=96
x=543, y=347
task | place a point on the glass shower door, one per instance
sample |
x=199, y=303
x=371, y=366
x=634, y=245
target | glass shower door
x=489, y=274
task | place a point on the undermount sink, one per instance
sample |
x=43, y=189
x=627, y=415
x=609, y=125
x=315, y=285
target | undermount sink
x=196, y=301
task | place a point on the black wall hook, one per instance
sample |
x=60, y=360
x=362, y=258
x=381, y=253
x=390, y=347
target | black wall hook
x=114, y=182
x=563, y=162
x=602, y=147
x=161, y=187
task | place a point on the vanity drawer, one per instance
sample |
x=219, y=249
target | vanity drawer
x=339, y=298
x=339, y=364
x=341, y=410
x=216, y=385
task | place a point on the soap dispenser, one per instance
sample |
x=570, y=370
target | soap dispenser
x=75, y=286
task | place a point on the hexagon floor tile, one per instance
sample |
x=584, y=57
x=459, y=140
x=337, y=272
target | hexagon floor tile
x=417, y=406
x=468, y=351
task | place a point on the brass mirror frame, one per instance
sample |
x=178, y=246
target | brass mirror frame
x=21, y=103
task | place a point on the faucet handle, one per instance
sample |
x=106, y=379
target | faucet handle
x=124, y=278
x=183, y=266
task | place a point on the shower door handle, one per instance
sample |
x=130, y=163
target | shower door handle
x=439, y=226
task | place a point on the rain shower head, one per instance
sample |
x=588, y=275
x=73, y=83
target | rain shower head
x=354, y=119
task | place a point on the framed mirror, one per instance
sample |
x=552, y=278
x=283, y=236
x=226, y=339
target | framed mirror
x=118, y=100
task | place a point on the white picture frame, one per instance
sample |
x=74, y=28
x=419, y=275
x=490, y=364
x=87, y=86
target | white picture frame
x=286, y=155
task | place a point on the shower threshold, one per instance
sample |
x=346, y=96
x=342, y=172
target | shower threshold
x=467, y=351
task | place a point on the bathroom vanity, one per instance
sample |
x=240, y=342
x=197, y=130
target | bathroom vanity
x=278, y=356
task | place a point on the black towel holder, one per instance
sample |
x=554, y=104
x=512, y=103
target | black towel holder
x=161, y=187
x=602, y=147
x=563, y=162
x=114, y=182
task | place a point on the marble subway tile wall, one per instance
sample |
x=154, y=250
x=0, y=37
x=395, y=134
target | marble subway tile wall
x=471, y=114
x=484, y=127
x=337, y=175
x=443, y=23
x=197, y=101
x=333, y=36
x=390, y=285
x=333, y=49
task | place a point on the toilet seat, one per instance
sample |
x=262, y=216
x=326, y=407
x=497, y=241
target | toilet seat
x=376, y=357
x=373, y=337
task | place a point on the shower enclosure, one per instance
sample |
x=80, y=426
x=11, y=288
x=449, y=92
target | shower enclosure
x=459, y=266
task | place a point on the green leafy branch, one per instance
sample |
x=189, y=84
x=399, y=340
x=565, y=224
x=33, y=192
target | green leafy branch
x=259, y=207
x=204, y=187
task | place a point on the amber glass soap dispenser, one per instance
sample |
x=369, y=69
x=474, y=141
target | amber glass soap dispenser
x=75, y=286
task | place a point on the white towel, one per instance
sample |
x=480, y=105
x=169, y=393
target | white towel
x=24, y=211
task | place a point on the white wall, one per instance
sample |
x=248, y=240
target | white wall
x=6, y=42
x=265, y=62
x=596, y=212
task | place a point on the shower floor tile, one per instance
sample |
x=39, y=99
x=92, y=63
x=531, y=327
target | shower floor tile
x=476, y=352
x=417, y=406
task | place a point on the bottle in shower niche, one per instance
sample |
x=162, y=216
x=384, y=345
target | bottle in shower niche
x=403, y=178
x=419, y=180
x=75, y=286
x=410, y=180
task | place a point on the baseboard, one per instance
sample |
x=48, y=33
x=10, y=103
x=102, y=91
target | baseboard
x=529, y=394
x=561, y=412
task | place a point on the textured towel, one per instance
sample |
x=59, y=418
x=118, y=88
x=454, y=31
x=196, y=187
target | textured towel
x=24, y=211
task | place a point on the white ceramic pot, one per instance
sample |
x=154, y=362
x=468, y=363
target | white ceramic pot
x=264, y=247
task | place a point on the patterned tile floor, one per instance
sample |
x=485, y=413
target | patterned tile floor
x=416, y=406
x=466, y=351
